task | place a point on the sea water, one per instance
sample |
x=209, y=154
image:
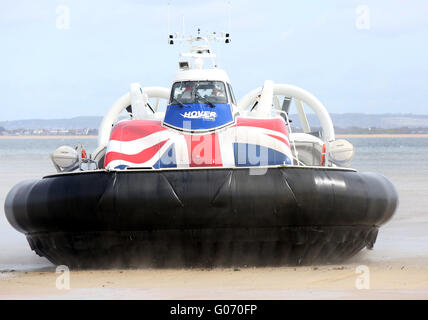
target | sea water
x=22, y=159
x=403, y=160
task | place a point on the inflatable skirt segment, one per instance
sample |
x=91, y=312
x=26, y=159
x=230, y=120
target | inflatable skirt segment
x=202, y=217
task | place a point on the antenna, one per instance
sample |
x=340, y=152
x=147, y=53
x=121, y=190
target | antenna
x=230, y=17
x=174, y=37
x=199, y=48
x=169, y=18
x=182, y=26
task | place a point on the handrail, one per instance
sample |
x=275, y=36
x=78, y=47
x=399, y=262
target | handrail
x=290, y=135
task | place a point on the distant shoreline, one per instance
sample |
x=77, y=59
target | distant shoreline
x=48, y=137
x=375, y=135
x=383, y=135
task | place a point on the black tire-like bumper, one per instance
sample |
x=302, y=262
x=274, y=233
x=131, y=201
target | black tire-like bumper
x=288, y=215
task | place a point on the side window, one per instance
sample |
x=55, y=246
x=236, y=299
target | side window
x=176, y=90
x=232, y=96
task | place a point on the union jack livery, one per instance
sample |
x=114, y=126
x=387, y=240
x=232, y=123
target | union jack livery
x=247, y=142
x=217, y=182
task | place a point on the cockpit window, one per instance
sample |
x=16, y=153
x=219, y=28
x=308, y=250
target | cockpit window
x=198, y=92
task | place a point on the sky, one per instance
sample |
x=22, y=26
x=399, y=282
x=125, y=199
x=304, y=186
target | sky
x=62, y=59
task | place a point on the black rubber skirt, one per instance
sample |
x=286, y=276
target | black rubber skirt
x=201, y=217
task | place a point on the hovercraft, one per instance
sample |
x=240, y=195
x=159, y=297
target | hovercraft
x=208, y=182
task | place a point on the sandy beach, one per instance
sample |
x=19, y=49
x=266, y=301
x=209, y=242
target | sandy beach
x=394, y=280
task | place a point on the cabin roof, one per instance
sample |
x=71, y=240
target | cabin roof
x=202, y=74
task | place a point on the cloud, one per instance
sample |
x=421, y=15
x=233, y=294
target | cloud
x=395, y=17
x=111, y=43
x=20, y=12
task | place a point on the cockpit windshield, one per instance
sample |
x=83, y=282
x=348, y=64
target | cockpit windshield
x=189, y=92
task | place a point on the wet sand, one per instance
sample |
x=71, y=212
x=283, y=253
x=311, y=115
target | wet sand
x=397, y=269
x=395, y=280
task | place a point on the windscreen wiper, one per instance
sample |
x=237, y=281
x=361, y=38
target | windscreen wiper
x=179, y=102
x=212, y=105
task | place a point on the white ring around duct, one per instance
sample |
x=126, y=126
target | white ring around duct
x=292, y=92
x=120, y=104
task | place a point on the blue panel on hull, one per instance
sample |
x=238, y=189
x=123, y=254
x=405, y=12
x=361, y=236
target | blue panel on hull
x=197, y=116
x=247, y=155
x=167, y=160
x=121, y=167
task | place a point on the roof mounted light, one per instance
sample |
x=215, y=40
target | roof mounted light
x=227, y=38
x=183, y=65
x=198, y=49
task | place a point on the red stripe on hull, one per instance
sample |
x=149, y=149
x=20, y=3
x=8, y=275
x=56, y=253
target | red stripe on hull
x=141, y=157
x=280, y=139
x=270, y=124
x=204, y=150
x=135, y=129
